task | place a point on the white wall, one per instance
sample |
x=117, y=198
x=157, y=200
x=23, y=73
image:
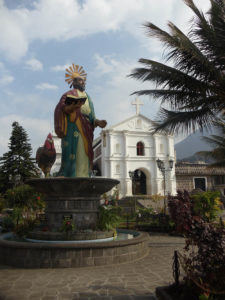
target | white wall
x=116, y=163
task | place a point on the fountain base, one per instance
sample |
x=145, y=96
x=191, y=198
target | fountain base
x=77, y=199
x=66, y=255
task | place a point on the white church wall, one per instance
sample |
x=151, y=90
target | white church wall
x=120, y=156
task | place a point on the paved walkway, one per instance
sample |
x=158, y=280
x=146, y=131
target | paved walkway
x=136, y=280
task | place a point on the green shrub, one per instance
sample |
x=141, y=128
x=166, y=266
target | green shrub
x=67, y=226
x=108, y=217
x=22, y=229
x=19, y=196
x=24, y=196
x=207, y=205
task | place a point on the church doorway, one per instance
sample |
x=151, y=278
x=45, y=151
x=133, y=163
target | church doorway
x=139, y=183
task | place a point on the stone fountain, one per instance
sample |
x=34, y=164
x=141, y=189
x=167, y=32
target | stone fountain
x=77, y=199
x=80, y=199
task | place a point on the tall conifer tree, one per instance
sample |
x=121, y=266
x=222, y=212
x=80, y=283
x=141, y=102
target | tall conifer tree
x=17, y=161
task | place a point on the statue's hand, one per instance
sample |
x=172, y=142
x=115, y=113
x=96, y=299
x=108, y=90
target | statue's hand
x=100, y=123
x=72, y=107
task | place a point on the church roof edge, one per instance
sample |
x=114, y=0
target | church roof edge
x=128, y=119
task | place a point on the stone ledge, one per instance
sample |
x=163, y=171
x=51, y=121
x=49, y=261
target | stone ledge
x=40, y=255
x=74, y=236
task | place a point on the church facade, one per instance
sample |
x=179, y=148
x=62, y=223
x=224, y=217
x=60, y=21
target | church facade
x=128, y=151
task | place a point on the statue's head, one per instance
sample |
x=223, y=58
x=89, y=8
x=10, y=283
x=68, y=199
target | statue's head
x=76, y=77
x=79, y=83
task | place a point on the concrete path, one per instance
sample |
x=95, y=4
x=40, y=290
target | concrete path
x=136, y=280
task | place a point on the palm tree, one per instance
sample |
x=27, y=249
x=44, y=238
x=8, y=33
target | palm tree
x=194, y=87
x=217, y=154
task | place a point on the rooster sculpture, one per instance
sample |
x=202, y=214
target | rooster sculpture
x=46, y=155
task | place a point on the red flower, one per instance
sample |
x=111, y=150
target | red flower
x=38, y=198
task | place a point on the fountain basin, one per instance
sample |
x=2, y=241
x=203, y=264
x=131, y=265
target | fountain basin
x=76, y=198
x=68, y=255
x=76, y=236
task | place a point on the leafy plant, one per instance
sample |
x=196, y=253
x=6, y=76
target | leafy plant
x=207, y=205
x=22, y=228
x=204, y=257
x=144, y=213
x=206, y=296
x=24, y=196
x=26, y=204
x=17, y=215
x=67, y=226
x=108, y=217
x=113, y=198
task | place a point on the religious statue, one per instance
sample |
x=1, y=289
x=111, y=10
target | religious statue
x=75, y=122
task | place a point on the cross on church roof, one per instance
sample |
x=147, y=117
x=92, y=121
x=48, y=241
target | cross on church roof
x=137, y=102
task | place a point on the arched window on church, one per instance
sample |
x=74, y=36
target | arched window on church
x=140, y=149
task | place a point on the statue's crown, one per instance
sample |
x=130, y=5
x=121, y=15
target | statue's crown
x=74, y=71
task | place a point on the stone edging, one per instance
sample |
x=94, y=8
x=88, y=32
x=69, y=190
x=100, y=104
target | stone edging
x=43, y=255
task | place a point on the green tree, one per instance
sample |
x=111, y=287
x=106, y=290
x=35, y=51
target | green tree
x=17, y=161
x=194, y=87
x=217, y=154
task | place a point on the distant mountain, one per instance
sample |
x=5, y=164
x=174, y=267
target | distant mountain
x=195, y=158
x=192, y=144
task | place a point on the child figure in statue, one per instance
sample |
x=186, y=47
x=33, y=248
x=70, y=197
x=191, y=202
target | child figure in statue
x=74, y=123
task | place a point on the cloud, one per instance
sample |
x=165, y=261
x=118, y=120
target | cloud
x=46, y=86
x=115, y=94
x=59, y=68
x=34, y=64
x=37, y=130
x=104, y=67
x=5, y=77
x=46, y=20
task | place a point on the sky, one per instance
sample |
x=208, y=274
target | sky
x=40, y=38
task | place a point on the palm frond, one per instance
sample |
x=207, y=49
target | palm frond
x=184, y=121
x=194, y=87
x=215, y=140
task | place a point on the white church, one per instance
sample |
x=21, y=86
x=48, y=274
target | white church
x=128, y=151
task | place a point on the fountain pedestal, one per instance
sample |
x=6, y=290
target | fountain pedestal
x=75, y=198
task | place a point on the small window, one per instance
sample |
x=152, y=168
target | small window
x=219, y=179
x=138, y=123
x=140, y=149
x=200, y=183
x=161, y=148
x=117, y=148
x=117, y=169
